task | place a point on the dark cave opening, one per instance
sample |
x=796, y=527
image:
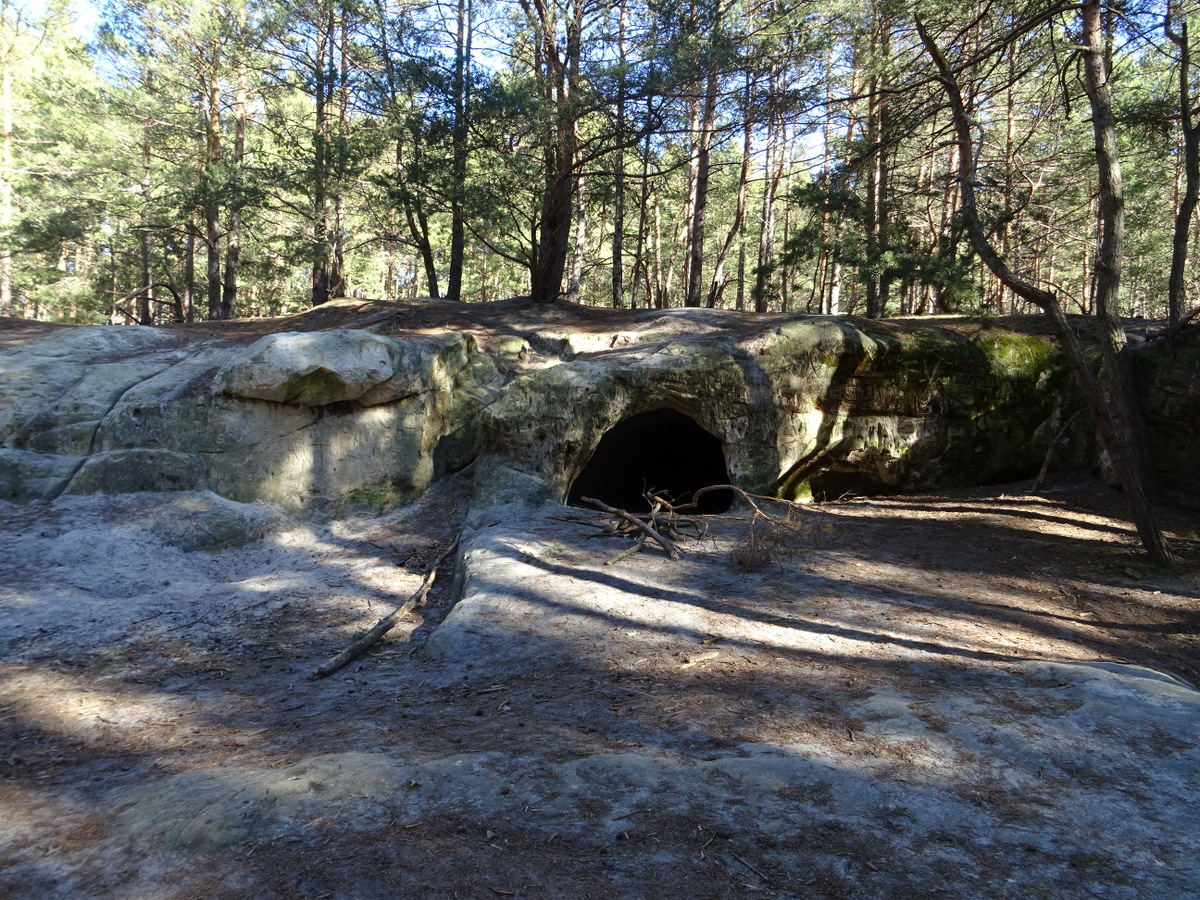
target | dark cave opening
x=662, y=451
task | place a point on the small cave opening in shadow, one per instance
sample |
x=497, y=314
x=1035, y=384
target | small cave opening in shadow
x=835, y=483
x=1011, y=473
x=662, y=451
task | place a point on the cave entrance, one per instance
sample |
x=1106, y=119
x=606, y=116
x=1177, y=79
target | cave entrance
x=662, y=451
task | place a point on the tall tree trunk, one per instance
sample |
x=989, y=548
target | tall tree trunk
x=1109, y=415
x=785, y=303
x=337, y=256
x=579, y=244
x=740, y=297
x=1110, y=252
x=950, y=201
x=689, y=204
x=877, y=172
x=6, y=163
x=659, y=282
x=641, y=268
x=1010, y=168
x=418, y=227
x=1186, y=210
x=113, y=275
x=233, y=238
x=1111, y=195
x=737, y=229
x=772, y=169
x=833, y=305
x=212, y=244
x=464, y=33
x=703, y=154
x=826, y=259
x=145, y=315
x=554, y=231
x=618, y=235
x=339, y=54
x=212, y=208
x=320, y=226
x=188, y=294
x=560, y=75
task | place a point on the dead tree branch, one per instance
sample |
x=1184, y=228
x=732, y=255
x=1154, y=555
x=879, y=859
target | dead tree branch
x=768, y=536
x=384, y=625
x=650, y=531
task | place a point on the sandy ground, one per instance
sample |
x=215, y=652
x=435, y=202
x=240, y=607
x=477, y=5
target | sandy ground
x=982, y=694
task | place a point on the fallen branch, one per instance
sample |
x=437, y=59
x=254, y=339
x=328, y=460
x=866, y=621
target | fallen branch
x=639, y=543
x=661, y=540
x=384, y=625
x=769, y=537
x=745, y=495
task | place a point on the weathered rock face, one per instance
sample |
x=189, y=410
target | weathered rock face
x=800, y=406
x=803, y=405
x=285, y=420
x=1169, y=377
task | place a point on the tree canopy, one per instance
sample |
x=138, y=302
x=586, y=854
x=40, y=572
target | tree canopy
x=214, y=158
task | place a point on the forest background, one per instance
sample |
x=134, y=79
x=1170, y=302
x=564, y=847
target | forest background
x=193, y=159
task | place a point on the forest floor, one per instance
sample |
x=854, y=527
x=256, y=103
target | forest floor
x=904, y=703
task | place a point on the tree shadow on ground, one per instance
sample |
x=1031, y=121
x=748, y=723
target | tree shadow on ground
x=228, y=688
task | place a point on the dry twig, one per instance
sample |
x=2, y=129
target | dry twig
x=638, y=523
x=384, y=625
x=768, y=536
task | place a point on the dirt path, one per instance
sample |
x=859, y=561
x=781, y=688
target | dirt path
x=907, y=704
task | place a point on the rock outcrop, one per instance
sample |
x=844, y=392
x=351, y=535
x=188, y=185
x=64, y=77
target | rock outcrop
x=375, y=408
x=803, y=405
x=290, y=419
x=1169, y=378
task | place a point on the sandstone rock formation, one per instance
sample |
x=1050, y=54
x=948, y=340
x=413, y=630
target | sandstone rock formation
x=1169, y=379
x=371, y=402
x=290, y=419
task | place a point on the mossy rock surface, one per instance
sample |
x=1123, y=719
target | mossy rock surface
x=371, y=402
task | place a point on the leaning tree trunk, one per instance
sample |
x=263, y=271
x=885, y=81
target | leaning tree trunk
x=738, y=228
x=1108, y=414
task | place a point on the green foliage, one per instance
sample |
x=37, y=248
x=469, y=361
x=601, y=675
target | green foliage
x=136, y=136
